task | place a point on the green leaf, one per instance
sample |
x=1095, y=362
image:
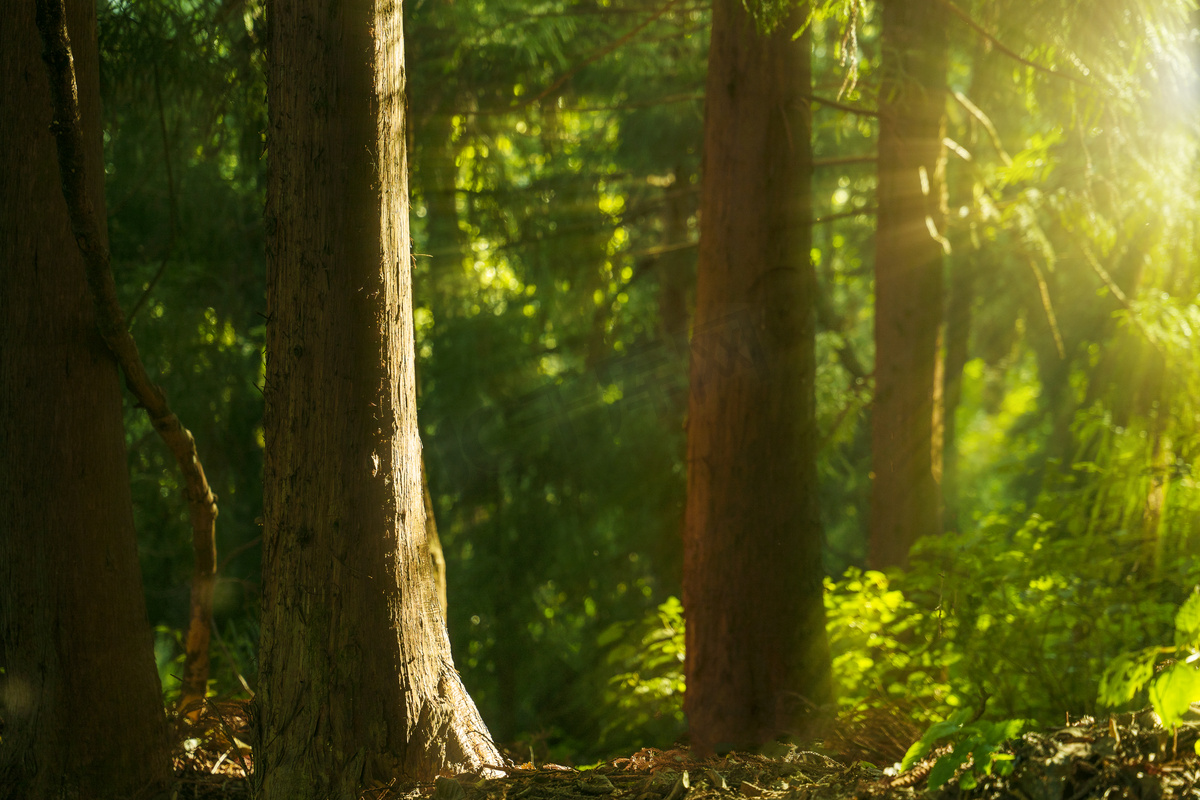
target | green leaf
x=915, y=753
x=1126, y=675
x=948, y=765
x=1174, y=692
x=938, y=730
x=1187, y=622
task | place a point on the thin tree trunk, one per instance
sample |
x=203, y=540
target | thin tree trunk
x=80, y=696
x=905, y=495
x=757, y=663
x=357, y=682
x=675, y=266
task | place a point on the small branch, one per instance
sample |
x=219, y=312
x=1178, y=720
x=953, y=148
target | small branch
x=1118, y=294
x=986, y=122
x=237, y=551
x=85, y=225
x=862, y=112
x=687, y=97
x=1048, y=307
x=854, y=212
x=843, y=161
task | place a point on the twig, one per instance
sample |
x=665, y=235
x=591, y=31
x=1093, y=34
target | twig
x=824, y=101
x=237, y=551
x=1047, y=306
x=233, y=742
x=172, y=209
x=983, y=119
x=841, y=161
x=854, y=212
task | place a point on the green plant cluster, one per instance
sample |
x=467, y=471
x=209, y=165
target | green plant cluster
x=645, y=660
x=1021, y=619
x=975, y=749
x=1167, y=673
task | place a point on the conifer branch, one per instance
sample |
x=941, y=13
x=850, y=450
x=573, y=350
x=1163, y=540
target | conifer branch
x=1013, y=54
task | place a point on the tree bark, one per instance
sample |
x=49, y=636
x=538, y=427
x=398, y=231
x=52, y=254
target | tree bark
x=757, y=662
x=909, y=239
x=357, y=682
x=79, y=691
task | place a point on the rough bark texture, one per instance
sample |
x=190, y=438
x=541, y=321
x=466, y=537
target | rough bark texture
x=757, y=657
x=79, y=694
x=905, y=496
x=356, y=679
x=437, y=556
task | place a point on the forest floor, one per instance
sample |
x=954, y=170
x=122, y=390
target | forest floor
x=1126, y=758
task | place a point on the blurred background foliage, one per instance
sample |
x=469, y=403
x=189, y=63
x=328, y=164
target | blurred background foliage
x=555, y=157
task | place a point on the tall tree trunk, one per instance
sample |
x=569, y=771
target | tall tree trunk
x=79, y=691
x=757, y=662
x=905, y=495
x=959, y=312
x=357, y=682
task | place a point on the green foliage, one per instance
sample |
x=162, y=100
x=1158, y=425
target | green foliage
x=886, y=649
x=1177, y=683
x=168, y=657
x=975, y=744
x=1019, y=618
x=771, y=14
x=233, y=657
x=646, y=688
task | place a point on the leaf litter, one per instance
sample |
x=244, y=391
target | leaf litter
x=1123, y=757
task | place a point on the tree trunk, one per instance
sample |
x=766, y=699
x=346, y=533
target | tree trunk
x=905, y=495
x=757, y=658
x=675, y=265
x=80, y=696
x=357, y=682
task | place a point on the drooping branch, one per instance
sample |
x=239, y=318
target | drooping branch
x=986, y=122
x=86, y=227
x=1008, y=51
